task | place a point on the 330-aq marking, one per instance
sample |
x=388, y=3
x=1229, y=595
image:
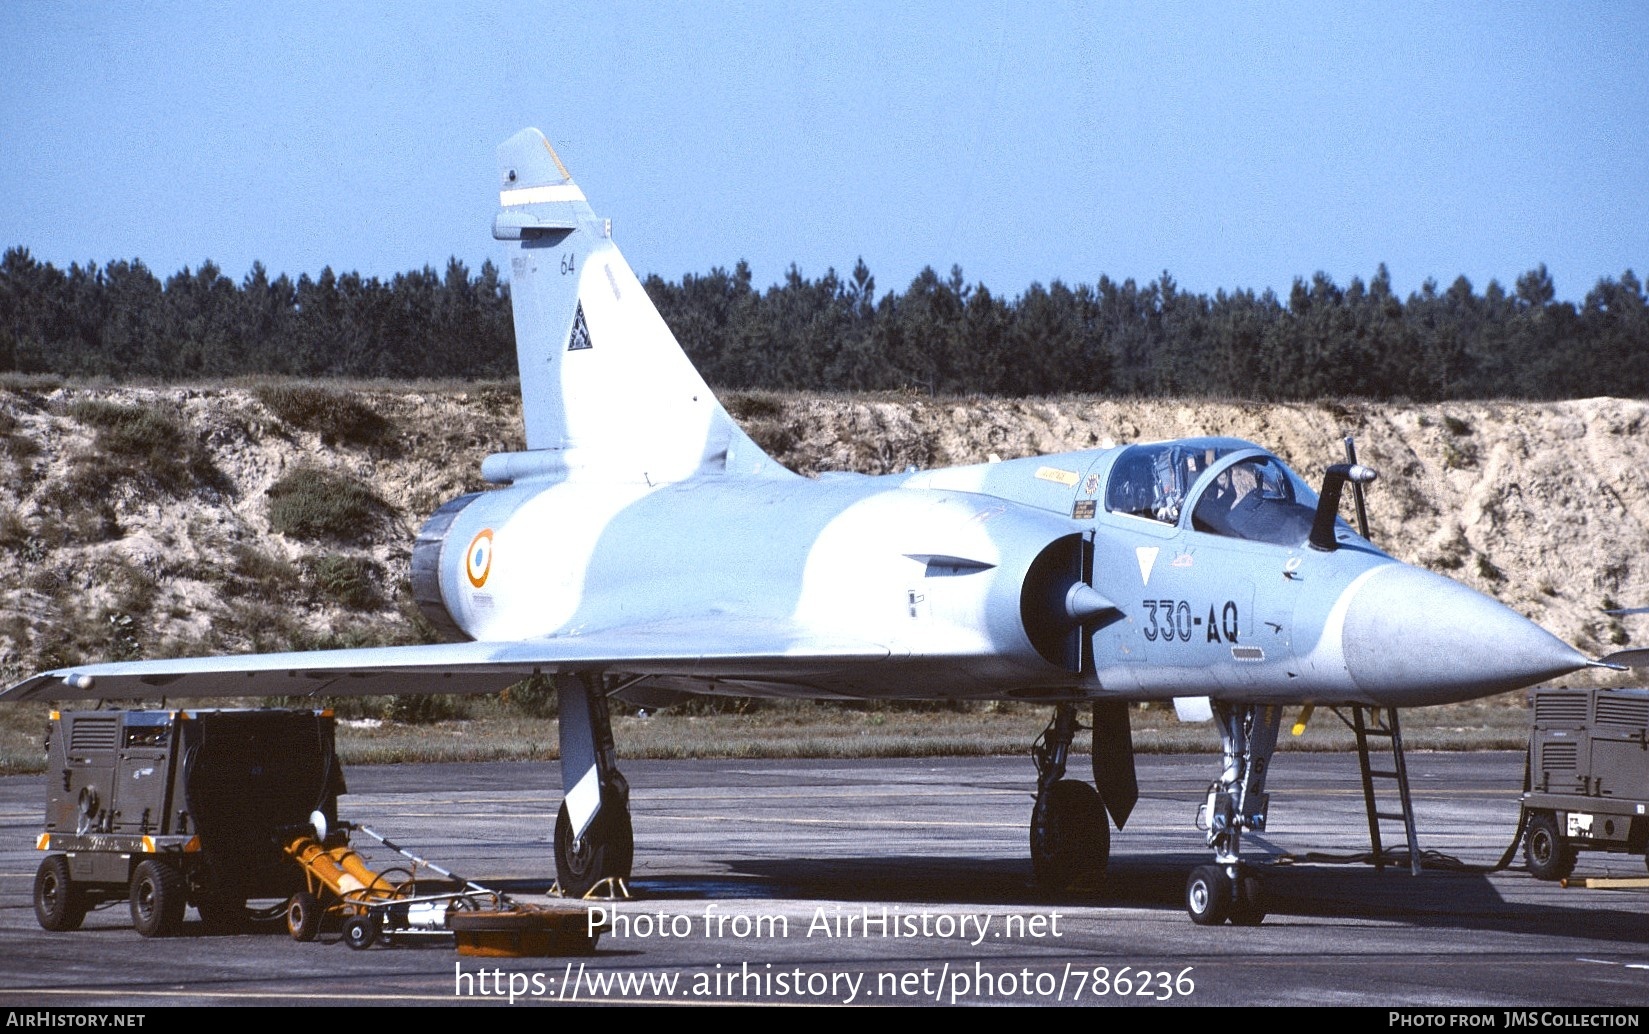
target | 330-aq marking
x=1171, y=620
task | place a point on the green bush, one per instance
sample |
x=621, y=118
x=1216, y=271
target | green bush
x=15, y=533
x=349, y=580
x=146, y=445
x=408, y=710
x=1455, y=425
x=336, y=416
x=76, y=511
x=534, y=696
x=254, y=571
x=316, y=504
x=425, y=709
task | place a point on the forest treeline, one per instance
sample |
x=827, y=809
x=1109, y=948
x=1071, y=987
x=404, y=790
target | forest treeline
x=940, y=335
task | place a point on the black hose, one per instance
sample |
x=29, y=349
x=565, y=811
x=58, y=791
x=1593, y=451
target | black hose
x=1434, y=860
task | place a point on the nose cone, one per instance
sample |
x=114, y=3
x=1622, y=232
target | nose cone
x=1412, y=637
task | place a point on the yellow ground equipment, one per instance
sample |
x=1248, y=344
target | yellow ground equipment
x=390, y=905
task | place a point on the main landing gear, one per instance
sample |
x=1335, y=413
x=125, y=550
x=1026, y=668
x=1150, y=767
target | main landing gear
x=1070, y=837
x=1237, y=801
x=594, y=841
x=1070, y=831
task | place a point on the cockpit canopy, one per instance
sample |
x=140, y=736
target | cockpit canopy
x=1222, y=486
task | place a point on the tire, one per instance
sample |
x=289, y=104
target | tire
x=1248, y=908
x=360, y=932
x=303, y=916
x=1545, y=850
x=157, y=899
x=58, y=904
x=1208, y=895
x=607, y=850
x=1070, y=836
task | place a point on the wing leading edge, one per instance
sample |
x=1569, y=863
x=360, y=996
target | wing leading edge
x=672, y=648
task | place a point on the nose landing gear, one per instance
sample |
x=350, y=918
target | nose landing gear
x=1228, y=891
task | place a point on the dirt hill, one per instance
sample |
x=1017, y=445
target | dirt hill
x=159, y=521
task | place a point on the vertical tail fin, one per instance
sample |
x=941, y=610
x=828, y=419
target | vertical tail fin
x=603, y=382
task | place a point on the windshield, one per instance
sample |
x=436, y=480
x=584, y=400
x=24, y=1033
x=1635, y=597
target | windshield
x=1258, y=499
x=1232, y=488
x=1155, y=480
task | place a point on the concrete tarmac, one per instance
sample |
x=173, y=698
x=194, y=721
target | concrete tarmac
x=904, y=882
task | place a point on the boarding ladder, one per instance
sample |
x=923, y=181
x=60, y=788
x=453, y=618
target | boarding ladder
x=1387, y=729
x=1372, y=723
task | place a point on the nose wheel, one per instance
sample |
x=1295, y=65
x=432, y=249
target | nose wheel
x=1213, y=897
x=1247, y=904
x=1208, y=895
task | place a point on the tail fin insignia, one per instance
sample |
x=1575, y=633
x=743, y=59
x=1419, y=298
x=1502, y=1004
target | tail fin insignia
x=580, y=338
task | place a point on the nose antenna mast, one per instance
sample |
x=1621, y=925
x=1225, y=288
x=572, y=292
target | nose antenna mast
x=1357, y=489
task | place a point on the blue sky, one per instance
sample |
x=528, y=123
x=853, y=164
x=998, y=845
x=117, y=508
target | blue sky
x=1234, y=145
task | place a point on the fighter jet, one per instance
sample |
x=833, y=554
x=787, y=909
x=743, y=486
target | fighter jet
x=643, y=547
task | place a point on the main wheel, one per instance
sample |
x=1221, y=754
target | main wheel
x=360, y=932
x=157, y=897
x=303, y=916
x=606, y=850
x=1070, y=836
x=1545, y=851
x=1208, y=895
x=58, y=903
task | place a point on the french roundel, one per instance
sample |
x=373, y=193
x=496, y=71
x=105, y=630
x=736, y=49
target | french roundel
x=478, y=561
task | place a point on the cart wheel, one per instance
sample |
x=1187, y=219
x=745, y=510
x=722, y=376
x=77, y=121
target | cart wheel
x=360, y=932
x=1545, y=850
x=157, y=898
x=303, y=916
x=58, y=903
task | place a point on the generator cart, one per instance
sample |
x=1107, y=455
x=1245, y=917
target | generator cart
x=174, y=808
x=1588, y=777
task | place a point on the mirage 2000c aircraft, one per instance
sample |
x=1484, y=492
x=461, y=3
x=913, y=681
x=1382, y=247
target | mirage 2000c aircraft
x=644, y=547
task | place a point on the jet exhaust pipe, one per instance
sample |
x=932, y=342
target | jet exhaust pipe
x=426, y=567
